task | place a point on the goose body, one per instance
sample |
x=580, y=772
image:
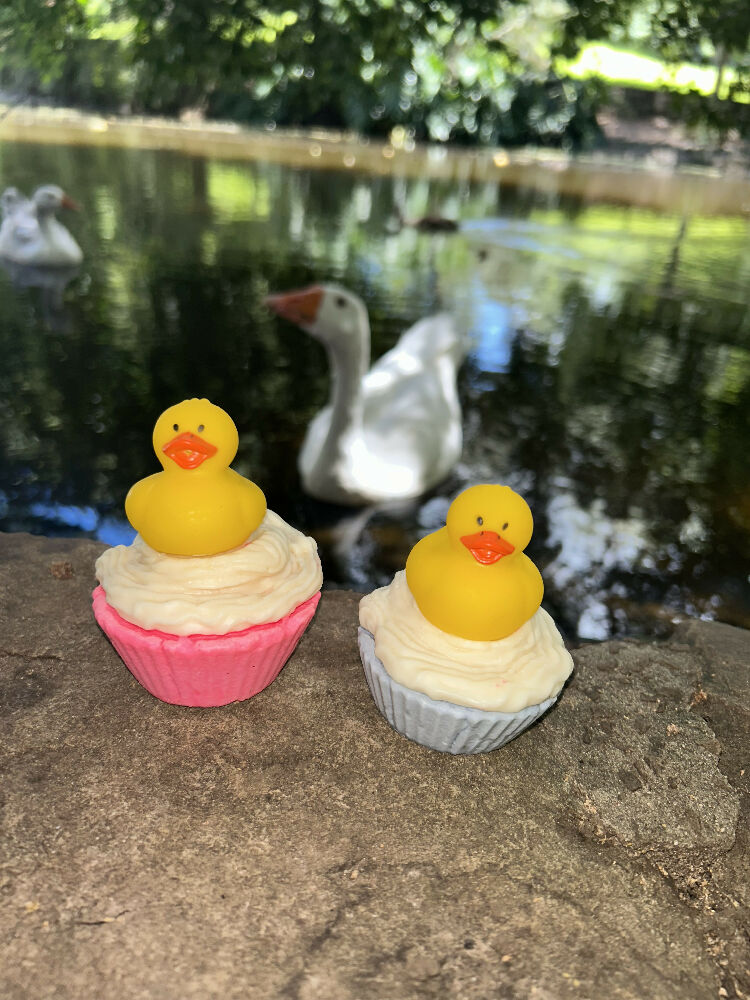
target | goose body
x=391, y=432
x=31, y=235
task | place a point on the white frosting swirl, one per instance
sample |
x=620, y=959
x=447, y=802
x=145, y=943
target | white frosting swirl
x=261, y=581
x=504, y=675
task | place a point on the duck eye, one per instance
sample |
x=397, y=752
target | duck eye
x=175, y=427
x=340, y=301
x=505, y=526
x=201, y=428
x=483, y=254
x=480, y=520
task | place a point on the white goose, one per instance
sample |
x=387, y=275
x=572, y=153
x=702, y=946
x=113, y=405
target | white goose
x=30, y=233
x=392, y=432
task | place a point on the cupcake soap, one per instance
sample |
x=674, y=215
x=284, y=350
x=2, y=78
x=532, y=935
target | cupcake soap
x=209, y=601
x=458, y=652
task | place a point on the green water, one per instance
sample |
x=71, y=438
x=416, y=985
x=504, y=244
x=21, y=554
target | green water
x=609, y=379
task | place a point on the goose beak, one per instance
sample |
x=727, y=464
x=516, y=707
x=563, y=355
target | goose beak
x=67, y=202
x=299, y=307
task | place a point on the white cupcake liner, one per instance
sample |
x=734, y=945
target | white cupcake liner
x=440, y=725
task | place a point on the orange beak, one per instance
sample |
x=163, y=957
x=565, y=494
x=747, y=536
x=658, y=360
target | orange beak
x=68, y=202
x=487, y=546
x=188, y=450
x=299, y=307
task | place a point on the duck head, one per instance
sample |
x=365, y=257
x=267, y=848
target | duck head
x=330, y=313
x=195, y=437
x=489, y=523
x=49, y=198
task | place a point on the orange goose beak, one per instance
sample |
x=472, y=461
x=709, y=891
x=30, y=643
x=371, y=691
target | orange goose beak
x=299, y=307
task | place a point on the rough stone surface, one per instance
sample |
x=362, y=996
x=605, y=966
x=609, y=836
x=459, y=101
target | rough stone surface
x=294, y=846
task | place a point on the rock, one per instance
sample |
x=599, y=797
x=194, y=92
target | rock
x=295, y=846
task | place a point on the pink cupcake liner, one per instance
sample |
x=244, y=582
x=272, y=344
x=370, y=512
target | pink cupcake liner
x=204, y=670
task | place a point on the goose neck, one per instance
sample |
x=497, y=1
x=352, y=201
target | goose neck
x=347, y=368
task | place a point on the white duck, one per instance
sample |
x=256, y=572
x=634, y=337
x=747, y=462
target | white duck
x=30, y=233
x=392, y=432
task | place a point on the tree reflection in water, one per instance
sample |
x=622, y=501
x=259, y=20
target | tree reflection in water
x=610, y=380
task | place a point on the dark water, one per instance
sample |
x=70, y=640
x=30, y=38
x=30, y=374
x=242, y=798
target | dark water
x=609, y=380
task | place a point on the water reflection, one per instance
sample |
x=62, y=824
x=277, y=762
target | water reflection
x=608, y=382
x=592, y=549
x=51, y=281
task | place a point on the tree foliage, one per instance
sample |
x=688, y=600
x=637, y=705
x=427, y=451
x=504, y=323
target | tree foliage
x=695, y=31
x=38, y=32
x=465, y=70
x=684, y=28
x=459, y=70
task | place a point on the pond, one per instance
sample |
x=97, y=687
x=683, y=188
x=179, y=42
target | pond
x=608, y=379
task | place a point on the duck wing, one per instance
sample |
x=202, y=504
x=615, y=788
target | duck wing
x=137, y=500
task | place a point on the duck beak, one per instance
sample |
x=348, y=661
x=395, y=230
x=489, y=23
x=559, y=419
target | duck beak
x=487, y=546
x=299, y=307
x=67, y=202
x=188, y=450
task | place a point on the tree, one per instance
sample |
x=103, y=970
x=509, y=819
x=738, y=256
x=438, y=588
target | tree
x=324, y=53
x=677, y=30
x=464, y=70
x=60, y=48
x=38, y=32
x=685, y=29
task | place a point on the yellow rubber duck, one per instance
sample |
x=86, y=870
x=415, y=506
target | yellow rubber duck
x=471, y=578
x=197, y=506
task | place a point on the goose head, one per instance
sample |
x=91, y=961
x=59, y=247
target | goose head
x=332, y=314
x=10, y=201
x=49, y=198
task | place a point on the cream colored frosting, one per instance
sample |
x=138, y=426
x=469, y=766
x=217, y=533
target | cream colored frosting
x=261, y=581
x=505, y=675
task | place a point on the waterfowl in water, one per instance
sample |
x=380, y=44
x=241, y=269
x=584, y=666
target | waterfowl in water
x=30, y=233
x=430, y=223
x=197, y=506
x=472, y=578
x=392, y=432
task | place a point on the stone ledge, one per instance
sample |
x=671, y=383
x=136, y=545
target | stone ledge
x=295, y=846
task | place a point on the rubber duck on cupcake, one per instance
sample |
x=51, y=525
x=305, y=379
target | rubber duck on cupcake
x=458, y=653
x=209, y=601
x=197, y=506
